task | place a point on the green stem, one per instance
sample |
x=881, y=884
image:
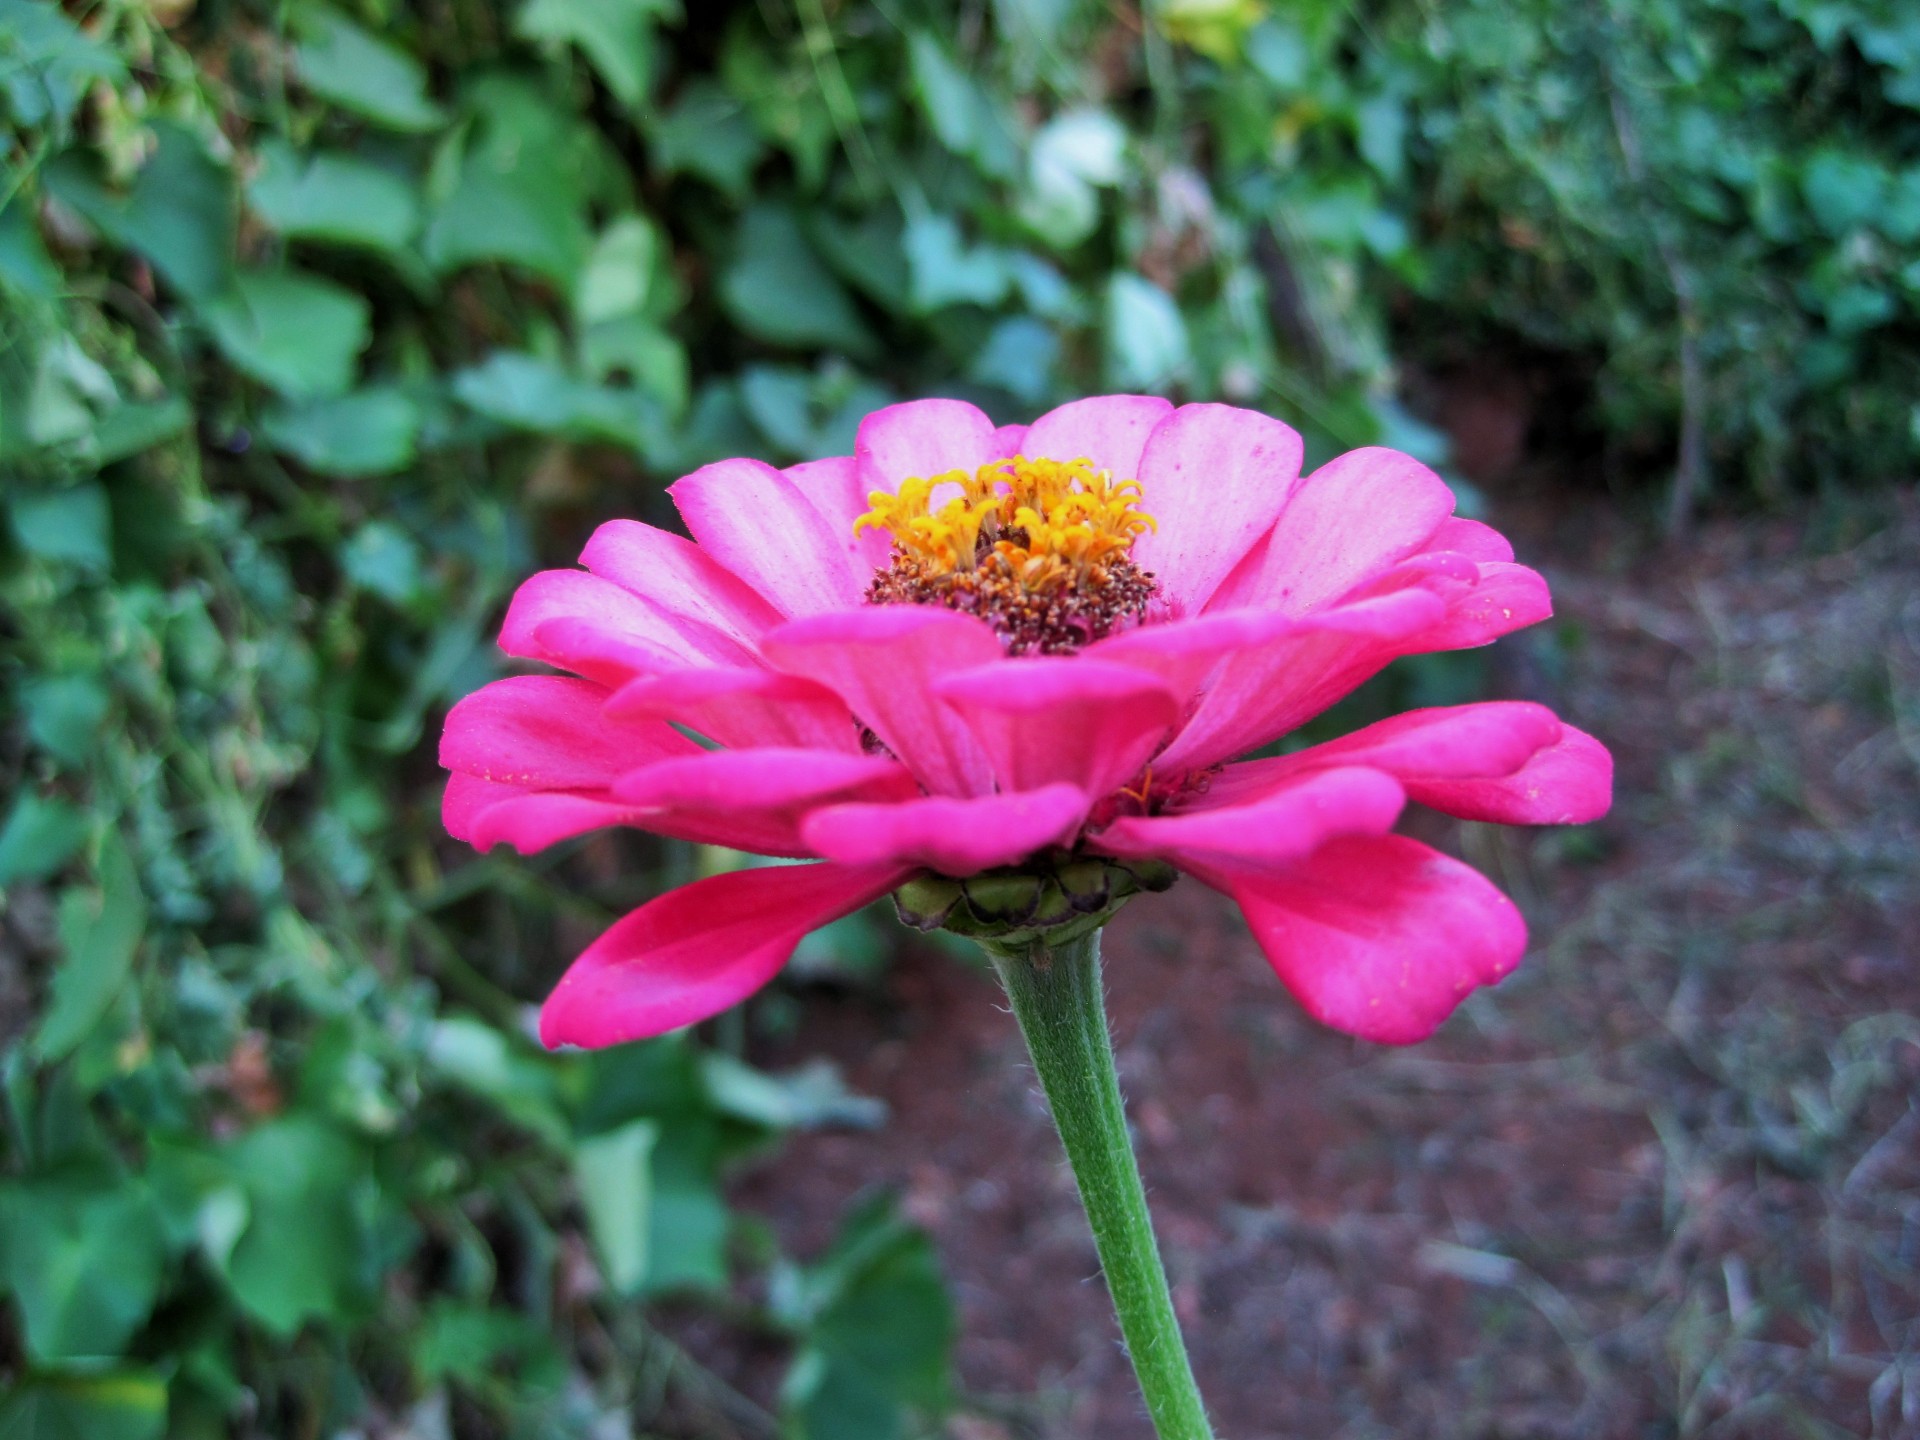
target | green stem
x=1057, y=999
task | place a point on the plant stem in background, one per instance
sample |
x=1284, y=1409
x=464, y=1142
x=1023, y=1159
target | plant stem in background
x=1056, y=995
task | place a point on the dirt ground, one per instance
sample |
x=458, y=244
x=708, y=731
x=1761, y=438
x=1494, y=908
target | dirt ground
x=1665, y=1181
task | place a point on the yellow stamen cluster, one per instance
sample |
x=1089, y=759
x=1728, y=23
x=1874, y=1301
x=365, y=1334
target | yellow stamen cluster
x=1049, y=522
x=1036, y=548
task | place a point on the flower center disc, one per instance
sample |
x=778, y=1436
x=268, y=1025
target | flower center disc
x=1039, y=549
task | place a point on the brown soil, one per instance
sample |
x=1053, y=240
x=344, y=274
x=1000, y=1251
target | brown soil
x=1661, y=1182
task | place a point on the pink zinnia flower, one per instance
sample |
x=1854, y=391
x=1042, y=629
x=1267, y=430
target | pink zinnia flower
x=1006, y=672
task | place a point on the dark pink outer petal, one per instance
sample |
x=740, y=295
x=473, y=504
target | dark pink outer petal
x=1470, y=538
x=678, y=578
x=1453, y=742
x=1085, y=722
x=592, y=626
x=484, y=814
x=1214, y=478
x=884, y=660
x=1271, y=832
x=1347, y=522
x=923, y=438
x=1507, y=598
x=1109, y=430
x=765, y=779
x=547, y=731
x=1380, y=937
x=955, y=837
x=742, y=707
x=700, y=949
x=757, y=522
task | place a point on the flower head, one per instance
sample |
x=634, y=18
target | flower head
x=1006, y=675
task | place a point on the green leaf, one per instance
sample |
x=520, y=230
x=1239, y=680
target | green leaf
x=72, y=526
x=527, y=393
x=962, y=115
x=332, y=196
x=384, y=559
x=615, y=1190
x=707, y=132
x=136, y=425
x=118, y=1405
x=64, y=714
x=778, y=290
x=1074, y=154
x=501, y=1068
x=1146, y=338
x=369, y=432
x=99, y=934
x=1019, y=357
x=518, y=185
x=1843, y=189
x=41, y=835
x=293, y=332
x=47, y=65
x=178, y=213
x=82, y=1256
x=24, y=264
x=358, y=71
x=619, y=273
x=616, y=35
x=945, y=272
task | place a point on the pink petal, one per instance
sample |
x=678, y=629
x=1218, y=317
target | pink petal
x=1456, y=742
x=608, y=629
x=763, y=780
x=1508, y=598
x=1110, y=430
x=484, y=814
x=742, y=707
x=883, y=660
x=1048, y=719
x=678, y=578
x=1214, y=478
x=760, y=525
x=1274, y=685
x=922, y=438
x=955, y=837
x=836, y=488
x=548, y=732
x=1271, y=832
x=1008, y=440
x=1568, y=783
x=1470, y=538
x=1348, y=521
x=699, y=950
x=1380, y=936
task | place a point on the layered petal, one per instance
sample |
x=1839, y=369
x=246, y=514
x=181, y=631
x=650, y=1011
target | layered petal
x=594, y=627
x=883, y=661
x=1506, y=598
x=1346, y=523
x=678, y=578
x=923, y=438
x=700, y=949
x=1215, y=478
x=758, y=523
x=1569, y=782
x=1109, y=430
x=1270, y=833
x=769, y=779
x=742, y=707
x=1380, y=937
x=485, y=813
x=953, y=836
x=547, y=732
x=1088, y=723
x=836, y=488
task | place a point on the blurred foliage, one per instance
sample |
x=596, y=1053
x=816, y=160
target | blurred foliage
x=321, y=325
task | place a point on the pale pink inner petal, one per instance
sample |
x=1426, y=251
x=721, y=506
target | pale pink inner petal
x=1379, y=936
x=547, y=731
x=700, y=949
x=1270, y=832
x=884, y=661
x=1215, y=478
x=1045, y=720
x=1109, y=430
x=742, y=707
x=953, y=836
x=678, y=578
x=922, y=438
x=1348, y=521
x=758, y=523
